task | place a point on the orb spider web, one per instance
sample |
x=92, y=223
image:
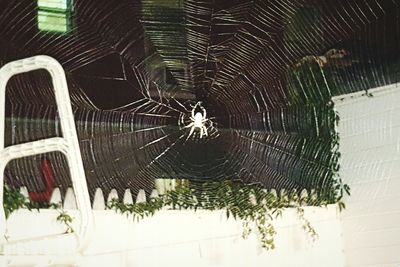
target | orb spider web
x=264, y=70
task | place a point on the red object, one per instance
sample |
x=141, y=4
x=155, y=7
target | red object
x=49, y=181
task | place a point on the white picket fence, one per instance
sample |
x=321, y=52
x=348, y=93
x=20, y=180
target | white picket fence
x=163, y=185
x=99, y=202
x=196, y=238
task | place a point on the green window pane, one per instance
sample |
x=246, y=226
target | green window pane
x=54, y=4
x=54, y=15
x=53, y=21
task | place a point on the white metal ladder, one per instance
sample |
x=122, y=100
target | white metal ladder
x=68, y=144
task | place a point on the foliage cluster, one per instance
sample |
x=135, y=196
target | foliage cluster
x=249, y=203
x=13, y=200
x=253, y=205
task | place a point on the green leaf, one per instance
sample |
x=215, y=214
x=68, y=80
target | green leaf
x=341, y=206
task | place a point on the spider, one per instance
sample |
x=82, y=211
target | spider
x=198, y=121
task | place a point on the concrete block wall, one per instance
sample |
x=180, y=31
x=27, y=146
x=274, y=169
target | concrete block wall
x=369, y=131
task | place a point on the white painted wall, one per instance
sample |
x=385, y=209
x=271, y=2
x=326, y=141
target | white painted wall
x=187, y=238
x=208, y=239
x=369, y=131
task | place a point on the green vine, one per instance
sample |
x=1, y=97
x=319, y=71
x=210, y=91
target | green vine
x=14, y=200
x=254, y=206
x=65, y=219
x=248, y=203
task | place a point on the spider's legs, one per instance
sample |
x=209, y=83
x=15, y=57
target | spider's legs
x=201, y=132
x=193, y=110
x=205, y=130
x=191, y=132
x=189, y=125
x=204, y=113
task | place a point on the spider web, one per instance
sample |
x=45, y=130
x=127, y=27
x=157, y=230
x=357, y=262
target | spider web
x=265, y=71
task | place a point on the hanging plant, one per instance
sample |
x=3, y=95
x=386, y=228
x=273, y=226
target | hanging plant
x=249, y=203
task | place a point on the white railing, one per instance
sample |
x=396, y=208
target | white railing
x=68, y=144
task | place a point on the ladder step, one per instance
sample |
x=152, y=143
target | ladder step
x=33, y=148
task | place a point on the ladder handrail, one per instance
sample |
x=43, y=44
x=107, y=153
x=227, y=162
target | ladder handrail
x=67, y=144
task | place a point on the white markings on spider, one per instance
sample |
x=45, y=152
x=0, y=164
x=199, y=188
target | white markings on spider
x=198, y=121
